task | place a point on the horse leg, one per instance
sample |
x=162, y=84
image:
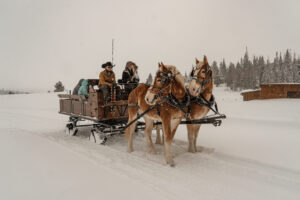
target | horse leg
x=169, y=129
x=191, y=138
x=196, y=132
x=158, y=136
x=148, y=133
x=130, y=130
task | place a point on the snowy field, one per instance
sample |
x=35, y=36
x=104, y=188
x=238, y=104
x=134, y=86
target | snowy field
x=255, y=154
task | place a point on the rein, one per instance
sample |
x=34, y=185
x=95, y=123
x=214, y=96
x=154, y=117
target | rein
x=208, y=103
x=173, y=101
x=144, y=113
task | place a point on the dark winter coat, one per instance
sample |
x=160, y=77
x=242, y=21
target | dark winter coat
x=126, y=77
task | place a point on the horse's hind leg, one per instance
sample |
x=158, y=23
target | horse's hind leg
x=159, y=138
x=130, y=130
x=148, y=133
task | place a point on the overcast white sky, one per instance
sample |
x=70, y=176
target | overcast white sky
x=42, y=41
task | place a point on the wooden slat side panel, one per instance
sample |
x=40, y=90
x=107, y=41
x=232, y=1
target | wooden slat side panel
x=66, y=105
x=87, y=109
x=77, y=107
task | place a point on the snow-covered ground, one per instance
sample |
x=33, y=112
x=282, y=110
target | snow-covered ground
x=253, y=155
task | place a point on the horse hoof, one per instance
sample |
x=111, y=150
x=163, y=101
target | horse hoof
x=191, y=151
x=172, y=165
x=158, y=142
x=152, y=151
x=129, y=150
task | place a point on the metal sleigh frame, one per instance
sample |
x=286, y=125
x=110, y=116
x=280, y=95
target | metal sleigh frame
x=111, y=127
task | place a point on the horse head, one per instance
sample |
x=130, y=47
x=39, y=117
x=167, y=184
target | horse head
x=167, y=78
x=201, y=77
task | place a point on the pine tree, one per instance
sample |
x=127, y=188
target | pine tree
x=59, y=87
x=149, y=79
x=261, y=69
x=216, y=73
x=238, y=76
x=231, y=77
x=281, y=73
x=288, y=67
x=276, y=69
x=222, y=71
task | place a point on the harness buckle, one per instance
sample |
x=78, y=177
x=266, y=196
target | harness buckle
x=187, y=115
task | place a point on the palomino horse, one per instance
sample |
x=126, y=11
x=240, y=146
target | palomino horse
x=200, y=84
x=168, y=81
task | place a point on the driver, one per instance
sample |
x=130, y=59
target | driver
x=107, y=80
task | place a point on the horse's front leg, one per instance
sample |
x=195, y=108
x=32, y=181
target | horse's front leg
x=191, y=138
x=169, y=128
x=196, y=132
x=148, y=133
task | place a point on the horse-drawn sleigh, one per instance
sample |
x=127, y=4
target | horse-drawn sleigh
x=166, y=103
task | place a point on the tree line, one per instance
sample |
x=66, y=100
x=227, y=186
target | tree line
x=4, y=91
x=250, y=73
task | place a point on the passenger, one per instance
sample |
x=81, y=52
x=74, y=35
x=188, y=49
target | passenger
x=83, y=90
x=107, y=81
x=130, y=76
x=75, y=90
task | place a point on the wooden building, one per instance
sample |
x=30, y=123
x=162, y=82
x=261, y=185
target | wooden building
x=273, y=91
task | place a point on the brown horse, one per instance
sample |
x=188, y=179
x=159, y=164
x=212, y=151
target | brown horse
x=168, y=80
x=201, y=83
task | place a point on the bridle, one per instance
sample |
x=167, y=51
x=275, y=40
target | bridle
x=165, y=77
x=203, y=81
x=169, y=98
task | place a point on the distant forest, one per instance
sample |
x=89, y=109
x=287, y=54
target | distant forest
x=3, y=91
x=250, y=73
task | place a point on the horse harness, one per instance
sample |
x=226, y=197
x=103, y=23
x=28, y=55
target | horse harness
x=196, y=77
x=174, y=102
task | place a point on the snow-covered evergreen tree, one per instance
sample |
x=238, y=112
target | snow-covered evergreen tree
x=222, y=71
x=149, y=79
x=59, y=87
x=216, y=73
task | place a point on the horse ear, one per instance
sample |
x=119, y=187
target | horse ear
x=162, y=66
x=197, y=61
x=205, y=60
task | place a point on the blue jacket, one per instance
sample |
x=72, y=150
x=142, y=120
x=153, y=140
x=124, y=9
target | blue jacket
x=83, y=90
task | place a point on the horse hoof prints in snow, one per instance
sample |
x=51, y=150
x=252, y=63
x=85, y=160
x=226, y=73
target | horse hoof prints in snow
x=153, y=102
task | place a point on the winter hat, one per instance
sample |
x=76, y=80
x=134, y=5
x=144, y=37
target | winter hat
x=107, y=64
